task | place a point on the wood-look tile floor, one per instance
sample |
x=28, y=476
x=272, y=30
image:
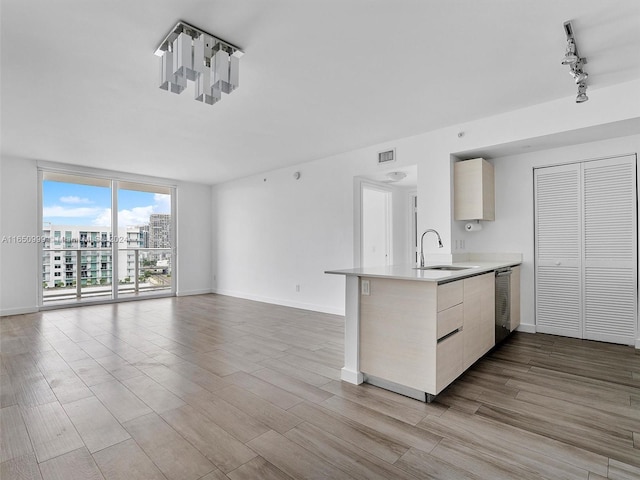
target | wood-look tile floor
x=212, y=387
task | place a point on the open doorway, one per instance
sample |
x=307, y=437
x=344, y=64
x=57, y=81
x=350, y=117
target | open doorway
x=377, y=224
x=385, y=218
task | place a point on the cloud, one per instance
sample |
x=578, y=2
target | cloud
x=102, y=216
x=162, y=203
x=70, y=212
x=75, y=200
x=126, y=218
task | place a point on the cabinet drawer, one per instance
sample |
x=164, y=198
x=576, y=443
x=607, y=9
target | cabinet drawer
x=450, y=319
x=449, y=294
x=449, y=360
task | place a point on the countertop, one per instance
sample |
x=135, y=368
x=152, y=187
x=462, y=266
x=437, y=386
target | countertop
x=409, y=272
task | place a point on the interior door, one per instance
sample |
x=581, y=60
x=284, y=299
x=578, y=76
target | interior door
x=610, y=249
x=558, y=250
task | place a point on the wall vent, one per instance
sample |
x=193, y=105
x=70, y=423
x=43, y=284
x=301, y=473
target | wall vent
x=387, y=157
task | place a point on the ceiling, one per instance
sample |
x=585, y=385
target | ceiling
x=79, y=81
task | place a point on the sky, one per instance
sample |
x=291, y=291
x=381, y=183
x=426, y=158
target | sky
x=74, y=204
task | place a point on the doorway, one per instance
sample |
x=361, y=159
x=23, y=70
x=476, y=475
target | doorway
x=377, y=222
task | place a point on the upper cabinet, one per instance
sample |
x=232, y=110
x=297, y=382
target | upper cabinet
x=473, y=190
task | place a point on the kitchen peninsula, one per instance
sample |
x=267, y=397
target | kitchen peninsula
x=415, y=330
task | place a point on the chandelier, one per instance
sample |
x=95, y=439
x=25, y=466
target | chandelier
x=576, y=64
x=190, y=54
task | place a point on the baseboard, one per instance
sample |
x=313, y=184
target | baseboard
x=285, y=303
x=526, y=328
x=18, y=311
x=351, y=376
x=187, y=293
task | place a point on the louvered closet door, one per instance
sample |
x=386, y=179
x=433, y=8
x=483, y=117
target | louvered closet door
x=558, y=248
x=610, y=249
x=586, y=250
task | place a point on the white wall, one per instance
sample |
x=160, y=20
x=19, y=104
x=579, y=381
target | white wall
x=194, y=238
x=273, y=232
x=20, y=267
x=20, y=271
x=270, y=236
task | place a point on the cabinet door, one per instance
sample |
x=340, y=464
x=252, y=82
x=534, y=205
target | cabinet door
x=479, y=317
x=450, y=320
x=450, y=294
x=473, y=190
x=449, y=353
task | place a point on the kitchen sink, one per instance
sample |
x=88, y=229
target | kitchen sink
x=442, y=267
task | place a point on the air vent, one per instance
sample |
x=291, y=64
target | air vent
x=387, y=157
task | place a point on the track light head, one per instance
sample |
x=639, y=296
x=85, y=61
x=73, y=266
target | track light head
x=582, y=93
x=570, y=56
x=580, y=77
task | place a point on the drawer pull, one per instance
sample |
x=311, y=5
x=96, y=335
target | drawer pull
x=449, y=335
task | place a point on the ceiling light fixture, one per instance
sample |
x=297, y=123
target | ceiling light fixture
x=188, y=53
x=576, y=64
x=396, y=176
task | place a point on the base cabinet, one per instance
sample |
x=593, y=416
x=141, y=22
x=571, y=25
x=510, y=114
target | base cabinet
x=422, y=335
x=449, y=360
x=479, y=317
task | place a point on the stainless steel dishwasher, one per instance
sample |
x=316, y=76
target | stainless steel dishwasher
x=503, y=303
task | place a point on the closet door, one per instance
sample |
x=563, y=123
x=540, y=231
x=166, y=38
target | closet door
x=586, y=250
x=610, y=250
x=558, y=250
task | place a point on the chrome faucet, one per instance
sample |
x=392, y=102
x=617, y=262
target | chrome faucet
x=422, y=244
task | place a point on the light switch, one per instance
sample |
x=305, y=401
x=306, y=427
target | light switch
x=365, y=287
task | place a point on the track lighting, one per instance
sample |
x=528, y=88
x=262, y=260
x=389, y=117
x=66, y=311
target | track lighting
x=576, y=64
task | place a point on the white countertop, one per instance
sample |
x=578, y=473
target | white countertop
x=409, y=272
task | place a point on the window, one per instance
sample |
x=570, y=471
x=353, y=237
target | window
x=146, y=239
x=106, y=255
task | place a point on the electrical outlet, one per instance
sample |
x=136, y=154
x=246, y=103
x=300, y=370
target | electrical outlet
x=366, y=289
x=298, y=288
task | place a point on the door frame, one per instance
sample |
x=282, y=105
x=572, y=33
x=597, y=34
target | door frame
x=359, y=185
